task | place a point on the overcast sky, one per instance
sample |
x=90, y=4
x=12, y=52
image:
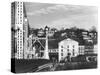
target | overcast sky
x=61, y=16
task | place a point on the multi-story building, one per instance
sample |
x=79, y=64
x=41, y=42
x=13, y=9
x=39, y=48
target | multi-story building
x=68, y=47
x=19, y=26
x=19, y=20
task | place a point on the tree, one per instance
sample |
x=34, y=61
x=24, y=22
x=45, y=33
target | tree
x=93, y=29
x=74, y=28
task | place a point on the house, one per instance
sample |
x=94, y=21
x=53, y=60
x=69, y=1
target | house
x=53, y=50
x=93, y=34
x=50, y=33
x=40, y=32
x=81, y=49
x=68, y=47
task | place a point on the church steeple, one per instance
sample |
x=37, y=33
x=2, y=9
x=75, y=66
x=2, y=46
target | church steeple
x=24, y=10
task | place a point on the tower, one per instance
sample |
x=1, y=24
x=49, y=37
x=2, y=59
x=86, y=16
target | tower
x=17, y=26
x=46, y=54
x=25, y=33
x=25, y=38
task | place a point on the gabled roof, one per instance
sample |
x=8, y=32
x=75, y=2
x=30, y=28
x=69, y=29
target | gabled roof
x=68, y=40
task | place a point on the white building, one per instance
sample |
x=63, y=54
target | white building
x=68, y=47
x=19, y=26
x=19, y=15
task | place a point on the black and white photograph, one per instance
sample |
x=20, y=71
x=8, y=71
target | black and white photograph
x=53, y=37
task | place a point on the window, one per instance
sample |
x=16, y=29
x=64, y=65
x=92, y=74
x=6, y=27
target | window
x=20, y=32
x=20, y=47
x=61, y=50
x=68, y=46
x=68, y=50
x=20, y=20
x=61, y=46
x=73, y=53
x=20, y=36
x=20, y=5
x=18, y=8
x=79, y=48
x=21, y=11
x=61, y=54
